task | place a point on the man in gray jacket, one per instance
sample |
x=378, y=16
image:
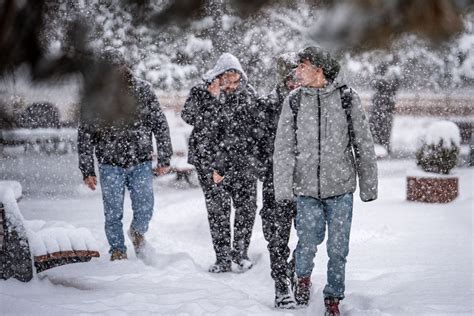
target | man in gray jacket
x=323, y=141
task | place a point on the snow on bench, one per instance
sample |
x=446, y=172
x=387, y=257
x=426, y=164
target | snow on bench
x=47, y=139
x=57, y=243
x=15, y=186
x=49, y=244
x=15, y=256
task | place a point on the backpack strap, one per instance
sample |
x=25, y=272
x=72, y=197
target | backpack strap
x=346, y=101
x=295, y=102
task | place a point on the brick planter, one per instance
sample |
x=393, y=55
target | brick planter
x=432, y=189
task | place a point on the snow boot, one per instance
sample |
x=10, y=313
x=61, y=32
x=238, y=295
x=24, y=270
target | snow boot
x=332, y=306
x=138, y=240
x=243, y=262
x=283, y=297
x=118, y=255
x=220, y=267
x=303, y=290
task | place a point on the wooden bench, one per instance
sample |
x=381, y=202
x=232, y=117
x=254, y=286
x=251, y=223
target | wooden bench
x=46, y=245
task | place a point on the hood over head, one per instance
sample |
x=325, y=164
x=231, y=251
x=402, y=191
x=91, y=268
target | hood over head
x=226, y=62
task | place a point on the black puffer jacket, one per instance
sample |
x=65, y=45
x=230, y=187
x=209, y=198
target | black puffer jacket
x=129, y=144
x=201, y=111
x=224, y=133
x=237, y=134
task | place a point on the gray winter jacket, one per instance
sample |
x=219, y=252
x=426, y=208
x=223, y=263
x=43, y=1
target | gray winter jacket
x=315, y=156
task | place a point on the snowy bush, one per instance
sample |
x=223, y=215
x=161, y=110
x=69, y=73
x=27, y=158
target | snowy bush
x=439, y=149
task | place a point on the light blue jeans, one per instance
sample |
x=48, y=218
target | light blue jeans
x=312, y=216
x=139, y=182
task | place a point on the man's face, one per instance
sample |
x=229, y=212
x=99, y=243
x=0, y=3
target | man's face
x=230, y=81
x=307, y=74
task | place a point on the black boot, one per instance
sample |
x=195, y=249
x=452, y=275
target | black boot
x=242, y=260
x=283, y=297
x=221, y=267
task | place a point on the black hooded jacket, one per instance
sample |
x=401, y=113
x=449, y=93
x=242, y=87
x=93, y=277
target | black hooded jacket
x=224, y=133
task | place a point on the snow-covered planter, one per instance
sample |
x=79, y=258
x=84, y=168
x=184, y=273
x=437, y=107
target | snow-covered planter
x=437, y=155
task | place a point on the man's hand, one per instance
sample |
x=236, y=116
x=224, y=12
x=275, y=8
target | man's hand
x=159, y=171
x=214, y=88
x=91, y=182
x=217, y=177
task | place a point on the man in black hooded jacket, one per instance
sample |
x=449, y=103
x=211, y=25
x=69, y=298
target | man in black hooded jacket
x=222, y=112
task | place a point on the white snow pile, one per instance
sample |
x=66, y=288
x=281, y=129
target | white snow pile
x=15, y=186
x=445, y=131
x=40, y=134
x=44, y=238
x=51, y=237
x=12, y=212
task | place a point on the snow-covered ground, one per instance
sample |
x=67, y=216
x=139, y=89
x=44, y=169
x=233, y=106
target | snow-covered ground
x=406, y=258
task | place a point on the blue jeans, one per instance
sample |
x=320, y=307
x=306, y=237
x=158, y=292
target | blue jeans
x=312, y=216
x=139, y=181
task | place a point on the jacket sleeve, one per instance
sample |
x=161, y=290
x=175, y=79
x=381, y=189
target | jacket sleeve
x=85, y=149
x=160, y=129
x=188, y=114
x=285, y=154
x=254, y=141
x=366, y=163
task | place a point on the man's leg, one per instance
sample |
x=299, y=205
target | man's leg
x=112, y=182
x=310, y=227
x=269, y=225
x=140, y=185
x=277, y=228
x=218, y=212
x=244, y=196
x=339, y=217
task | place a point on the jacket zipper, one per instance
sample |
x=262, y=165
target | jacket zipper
x=319, y=147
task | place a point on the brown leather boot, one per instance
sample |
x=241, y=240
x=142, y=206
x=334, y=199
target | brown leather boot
x=138, y=240
x=118, y=255
x=332, y=306
x=303, y=291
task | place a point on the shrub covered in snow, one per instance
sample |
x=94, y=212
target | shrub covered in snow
x=439, y=149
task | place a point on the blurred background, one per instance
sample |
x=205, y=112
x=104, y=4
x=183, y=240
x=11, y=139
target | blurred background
x=412, y=62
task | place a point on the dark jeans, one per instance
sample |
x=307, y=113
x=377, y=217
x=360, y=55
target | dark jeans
x=242, y=192
x=277, y=219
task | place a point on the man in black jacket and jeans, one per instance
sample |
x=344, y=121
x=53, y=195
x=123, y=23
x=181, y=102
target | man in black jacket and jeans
x=222, y=111
x=119, y=128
